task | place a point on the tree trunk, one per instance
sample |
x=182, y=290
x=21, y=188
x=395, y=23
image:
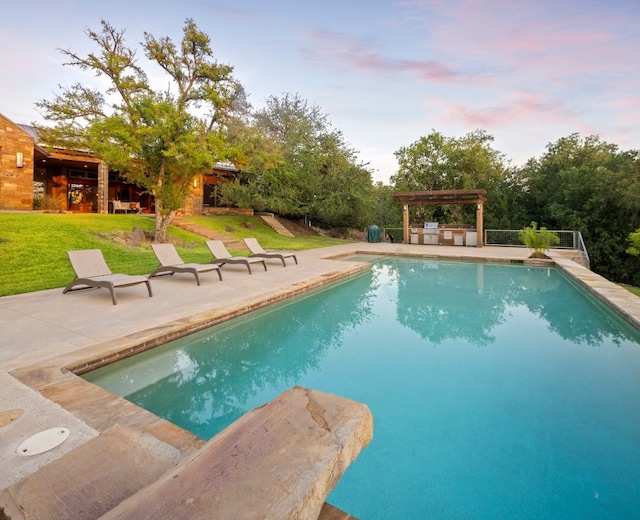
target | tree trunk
x=163, y=218
x=162, y=224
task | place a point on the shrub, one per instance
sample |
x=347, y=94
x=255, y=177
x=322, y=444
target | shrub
x=46, y=202
x=634, y=241
x=538, y=240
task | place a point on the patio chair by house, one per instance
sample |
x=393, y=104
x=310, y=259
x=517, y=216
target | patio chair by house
x=171, y=263
x=257, y=251
x=92, y=272
x=222, y=256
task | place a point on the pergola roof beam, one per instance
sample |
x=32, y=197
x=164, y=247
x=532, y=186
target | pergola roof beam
x=426, y=198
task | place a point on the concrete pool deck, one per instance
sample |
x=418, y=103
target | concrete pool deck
x=46, y=335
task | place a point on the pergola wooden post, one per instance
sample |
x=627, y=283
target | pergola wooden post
x=480, y=224
x=441, y=198
x=405, y=223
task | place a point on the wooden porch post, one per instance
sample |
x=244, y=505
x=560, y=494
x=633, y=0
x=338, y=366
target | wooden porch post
x=103, y=187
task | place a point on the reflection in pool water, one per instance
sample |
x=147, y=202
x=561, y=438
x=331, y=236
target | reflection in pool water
x=497, y=391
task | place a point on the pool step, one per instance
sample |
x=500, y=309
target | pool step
x=92, y=479
x=279, y=461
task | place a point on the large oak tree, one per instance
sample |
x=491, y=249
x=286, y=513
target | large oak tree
x=158, y=139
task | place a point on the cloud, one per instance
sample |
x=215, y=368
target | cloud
x=550, y=37
x=523, y=107
x=355, y=54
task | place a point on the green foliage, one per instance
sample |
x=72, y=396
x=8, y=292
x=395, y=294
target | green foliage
x=589, y=186
x=538, y=240
x=386, y=212
x=424, y=165
x=634, y=240
x=303, y=167
x=46, y=202
x=157, y=139
x=436, y=162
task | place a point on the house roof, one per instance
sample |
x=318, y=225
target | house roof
x=30, y=130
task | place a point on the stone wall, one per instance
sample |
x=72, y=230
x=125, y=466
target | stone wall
x=193, y=204
x=242, y=212
x=16, y=183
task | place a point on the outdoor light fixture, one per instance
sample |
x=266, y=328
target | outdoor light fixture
x=405, y=207
x=195, y=182
x=19, y=160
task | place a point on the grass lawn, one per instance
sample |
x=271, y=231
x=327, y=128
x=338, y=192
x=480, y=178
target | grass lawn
x=33, y=246
x=265, y=235
x=631, y=289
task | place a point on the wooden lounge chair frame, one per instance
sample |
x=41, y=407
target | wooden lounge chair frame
x=171, y=263
x=257, y=251
x=92, y=272
x=221, y=256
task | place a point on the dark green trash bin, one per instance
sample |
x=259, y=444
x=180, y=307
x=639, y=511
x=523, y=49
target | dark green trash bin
x=374, y=234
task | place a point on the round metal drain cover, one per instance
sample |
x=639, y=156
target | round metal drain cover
x=8, y=417
x=43, y=441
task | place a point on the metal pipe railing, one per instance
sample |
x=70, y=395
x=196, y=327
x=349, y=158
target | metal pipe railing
x=582, y=249
x=511, y=237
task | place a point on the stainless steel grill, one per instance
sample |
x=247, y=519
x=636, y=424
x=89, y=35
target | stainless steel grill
x=430, y=233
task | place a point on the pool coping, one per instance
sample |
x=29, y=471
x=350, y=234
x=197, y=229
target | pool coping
x=56, y=378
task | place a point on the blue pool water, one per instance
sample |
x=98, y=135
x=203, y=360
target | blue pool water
x=497, y=391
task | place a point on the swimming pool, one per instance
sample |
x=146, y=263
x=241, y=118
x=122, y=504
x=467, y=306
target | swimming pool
x=497, y=391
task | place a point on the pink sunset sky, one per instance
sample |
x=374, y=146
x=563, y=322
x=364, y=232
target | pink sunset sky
x=385, y=72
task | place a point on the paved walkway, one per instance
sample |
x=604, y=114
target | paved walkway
x=45, y=334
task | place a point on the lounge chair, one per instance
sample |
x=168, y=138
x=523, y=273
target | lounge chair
x=222, y=256
x=92, y=271
x=171, y=263
x=257, y=251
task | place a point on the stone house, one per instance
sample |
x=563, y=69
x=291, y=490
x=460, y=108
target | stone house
x=83, y=183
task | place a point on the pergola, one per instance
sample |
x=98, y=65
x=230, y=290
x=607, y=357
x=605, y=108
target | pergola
x=440, y=198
